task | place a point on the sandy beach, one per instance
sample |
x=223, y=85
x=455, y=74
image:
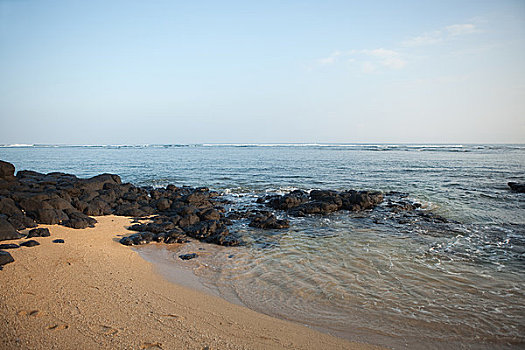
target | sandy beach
x=93, y=293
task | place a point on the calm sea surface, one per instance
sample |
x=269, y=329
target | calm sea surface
x=361, y=276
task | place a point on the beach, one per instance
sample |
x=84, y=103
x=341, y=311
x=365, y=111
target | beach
x=351, y=256
x=91, y=292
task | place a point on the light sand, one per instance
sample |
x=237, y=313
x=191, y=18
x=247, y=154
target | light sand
x=94, y=293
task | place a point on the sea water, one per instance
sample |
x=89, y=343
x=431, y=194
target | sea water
x=363, y=276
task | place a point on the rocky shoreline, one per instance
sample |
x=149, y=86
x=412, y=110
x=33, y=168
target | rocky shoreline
x=171, y=214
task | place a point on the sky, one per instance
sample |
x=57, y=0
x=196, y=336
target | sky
x=177, y=72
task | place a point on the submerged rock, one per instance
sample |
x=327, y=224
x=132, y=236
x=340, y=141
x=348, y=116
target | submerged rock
x=517, y=187
x=188, y=256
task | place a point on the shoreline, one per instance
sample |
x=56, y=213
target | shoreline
x=93, y=292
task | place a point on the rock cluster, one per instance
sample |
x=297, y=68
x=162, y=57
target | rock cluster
x=300, y=203
x=32, y=198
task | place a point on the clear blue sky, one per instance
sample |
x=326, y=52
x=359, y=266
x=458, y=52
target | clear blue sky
x=113, y=72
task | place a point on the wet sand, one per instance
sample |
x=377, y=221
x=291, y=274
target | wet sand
x=93, y=293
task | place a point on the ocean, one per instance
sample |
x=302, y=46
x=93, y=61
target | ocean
x=367, y=276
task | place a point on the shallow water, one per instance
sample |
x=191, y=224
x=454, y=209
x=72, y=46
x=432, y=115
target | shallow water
x=364, y=276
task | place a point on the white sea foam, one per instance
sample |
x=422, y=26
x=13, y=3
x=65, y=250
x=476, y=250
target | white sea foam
x=17, y=145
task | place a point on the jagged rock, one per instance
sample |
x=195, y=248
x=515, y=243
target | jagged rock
x=238, y=215
x=128, y=240
x=360, y=200
x=188, y=220
x=314, y=207
x=144, y=238
x=298, y=203
x=175, y=236
x=267, y=220
x=163, y=204
x=78, y=220
x=184, y=209
x=197, y=197
x=153, y=227
x=327, y=196
x=203, y=229
x=210, y=214
x=288, y=201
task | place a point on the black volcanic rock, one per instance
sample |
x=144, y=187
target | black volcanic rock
x=517, y=187
x=322, y=202
x=38, y=232
x=30, y=243
x=267, y=220
x=188, y=256
x=360, y=200
x=9, y=246
x=7, y=171
x=9, y=208
x=288, y=201
x=314, y=207
x=5, y=258
x=97, y=182
x=7, y=231
x=49, y=216
x=126, y=240
x=78, y=220
x=21, y=222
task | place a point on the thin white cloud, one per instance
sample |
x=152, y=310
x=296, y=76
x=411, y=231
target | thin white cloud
x=393, y=63
x=330, y=59
x=383, y=53
x=368, y=67
x=385, y=57
x=425, y=39
x=437, y=36
x=461, y=29
x=369, y=60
